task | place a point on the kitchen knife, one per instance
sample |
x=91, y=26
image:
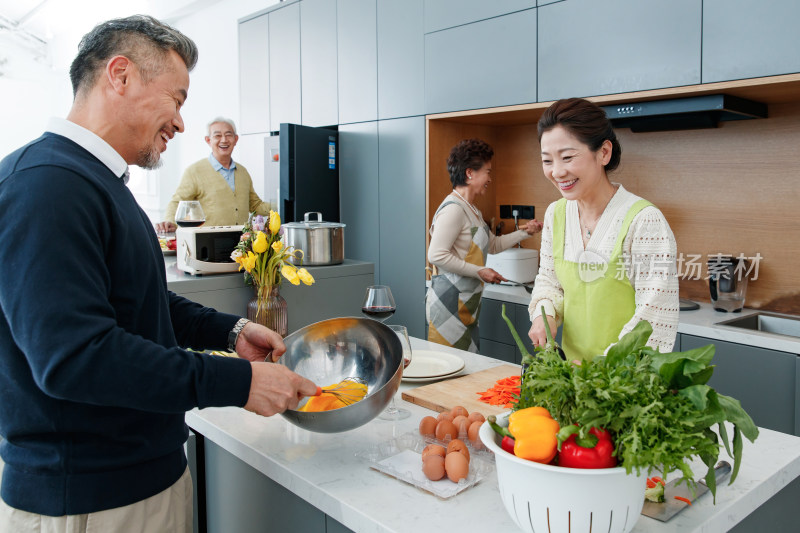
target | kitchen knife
x=671, y=506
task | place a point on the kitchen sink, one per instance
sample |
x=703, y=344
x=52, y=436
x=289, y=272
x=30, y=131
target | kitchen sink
x=767, y=323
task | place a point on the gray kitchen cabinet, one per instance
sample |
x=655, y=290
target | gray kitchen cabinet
x=357, y=58
x=318, y=71
x=358, y=190
x=254, y=75
x=491, y=325
x=498, y=350
x=401, y=59
x=284, y=66
x=441, y=14
x=545, y=2
x=401, y=220
x=617, y=46
x=750, y=38
x=764, y=381
x=239, y=498
x=484, y=64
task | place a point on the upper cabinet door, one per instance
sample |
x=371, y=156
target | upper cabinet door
x=357, y=54
x=254, y=75
x=483, y=64
x=284, y=66
x=318, y=68
x=750, y=38
x=401, y=59
x=589, y=48
x=441, y=14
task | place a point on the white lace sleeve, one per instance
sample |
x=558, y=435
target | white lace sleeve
x=651, y=252
x=547, y=290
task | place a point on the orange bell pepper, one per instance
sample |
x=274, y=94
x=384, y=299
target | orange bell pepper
x=535, y=434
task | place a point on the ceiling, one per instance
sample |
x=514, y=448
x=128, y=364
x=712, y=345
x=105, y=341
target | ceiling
x=35, y=23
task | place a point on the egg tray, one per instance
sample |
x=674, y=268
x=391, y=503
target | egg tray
x=483, y=452
x=401, y=458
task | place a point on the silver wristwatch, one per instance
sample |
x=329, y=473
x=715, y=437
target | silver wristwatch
x=233, y=336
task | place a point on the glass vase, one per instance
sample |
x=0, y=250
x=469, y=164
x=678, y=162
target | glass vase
x=269, y=309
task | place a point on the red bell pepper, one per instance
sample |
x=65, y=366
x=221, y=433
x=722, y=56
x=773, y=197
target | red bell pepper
x=507, y=444
x=594, y=451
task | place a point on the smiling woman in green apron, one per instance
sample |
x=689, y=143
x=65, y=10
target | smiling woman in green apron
x=608, y=257
x=460, y=240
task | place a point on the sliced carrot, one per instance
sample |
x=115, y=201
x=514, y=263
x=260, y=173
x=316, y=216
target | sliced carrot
x=685, y=500
x=503, y=392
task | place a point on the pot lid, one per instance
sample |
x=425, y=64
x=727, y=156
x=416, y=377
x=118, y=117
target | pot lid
x=307, y=223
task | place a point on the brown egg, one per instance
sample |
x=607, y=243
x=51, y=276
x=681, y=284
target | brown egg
x=433, y=449
x=427, y=426
x=475, y=415
x=445, y=416
x=462, y=424
x=446, y=430
x=458, y=446
x=456, y=466
x=433, y=467
x=473, y=434
x=459, y=411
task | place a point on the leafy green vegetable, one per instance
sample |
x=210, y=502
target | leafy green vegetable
x=657, y=406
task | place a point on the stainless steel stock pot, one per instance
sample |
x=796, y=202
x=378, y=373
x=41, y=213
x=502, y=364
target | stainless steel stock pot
x=322, y=242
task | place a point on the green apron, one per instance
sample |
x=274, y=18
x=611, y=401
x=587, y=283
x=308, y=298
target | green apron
x=453, y=302
x=598, y=297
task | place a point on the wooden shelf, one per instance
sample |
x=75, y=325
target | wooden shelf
x=713, y=185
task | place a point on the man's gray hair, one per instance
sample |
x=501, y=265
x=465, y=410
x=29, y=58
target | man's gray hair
x=141, y=38
x=225, y=120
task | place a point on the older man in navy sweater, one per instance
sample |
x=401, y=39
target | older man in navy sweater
x=94, y=374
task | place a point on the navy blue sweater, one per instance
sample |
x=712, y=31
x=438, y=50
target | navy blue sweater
x=94, y=383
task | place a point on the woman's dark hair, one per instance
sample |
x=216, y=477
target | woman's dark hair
x=469, y=153
x=141, y=38
x=586, y=121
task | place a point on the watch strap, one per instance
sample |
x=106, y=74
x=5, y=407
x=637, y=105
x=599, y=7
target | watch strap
x=233, y=336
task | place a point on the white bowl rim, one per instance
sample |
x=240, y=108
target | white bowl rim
x=486, y=429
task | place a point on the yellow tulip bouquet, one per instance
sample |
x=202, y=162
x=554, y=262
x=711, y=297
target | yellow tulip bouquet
x=264, y=258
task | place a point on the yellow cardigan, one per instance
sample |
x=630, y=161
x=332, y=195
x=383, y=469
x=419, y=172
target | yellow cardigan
x=222, y=206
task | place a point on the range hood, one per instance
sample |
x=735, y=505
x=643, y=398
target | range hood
x=683, y=113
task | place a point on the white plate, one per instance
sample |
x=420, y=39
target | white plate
x=401, y=458
x=430, y=378
x=429, y=364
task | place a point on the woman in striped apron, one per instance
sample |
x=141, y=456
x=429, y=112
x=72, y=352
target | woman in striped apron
x=460, y=240
x=608, y=257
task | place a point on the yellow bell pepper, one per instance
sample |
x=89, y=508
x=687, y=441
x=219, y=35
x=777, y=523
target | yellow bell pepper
x=535, y=434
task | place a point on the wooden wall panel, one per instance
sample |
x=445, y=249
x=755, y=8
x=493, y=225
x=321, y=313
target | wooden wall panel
x=734, y=189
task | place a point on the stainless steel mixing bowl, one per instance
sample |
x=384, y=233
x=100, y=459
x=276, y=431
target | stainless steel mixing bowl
x=331, y=350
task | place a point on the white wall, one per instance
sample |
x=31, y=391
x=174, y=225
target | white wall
x=32, y=90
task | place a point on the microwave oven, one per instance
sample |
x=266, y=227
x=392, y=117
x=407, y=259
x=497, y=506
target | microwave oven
x=207, y=250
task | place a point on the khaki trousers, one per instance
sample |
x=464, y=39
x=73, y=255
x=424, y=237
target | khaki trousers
x=169, y=511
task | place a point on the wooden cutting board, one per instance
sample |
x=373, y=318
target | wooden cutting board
x=444, y=395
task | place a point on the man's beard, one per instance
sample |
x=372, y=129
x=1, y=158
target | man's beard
x=149, y=159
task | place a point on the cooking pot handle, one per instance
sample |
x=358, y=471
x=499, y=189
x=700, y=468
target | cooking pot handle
x=308, y=215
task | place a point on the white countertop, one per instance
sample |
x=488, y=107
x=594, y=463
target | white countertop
x=323, y=470
x=700, y=322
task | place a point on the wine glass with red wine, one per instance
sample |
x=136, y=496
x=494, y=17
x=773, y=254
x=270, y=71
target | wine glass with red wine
x=393, y=412
x=378, y=303
x=189, y=214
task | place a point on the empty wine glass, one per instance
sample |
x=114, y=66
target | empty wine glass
x=378, y=303
x=189, y=214
x=393, y=412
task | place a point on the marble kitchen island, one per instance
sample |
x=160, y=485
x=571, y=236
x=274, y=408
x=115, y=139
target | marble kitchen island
x=266, y=474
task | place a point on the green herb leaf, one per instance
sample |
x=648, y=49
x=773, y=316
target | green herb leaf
x=632, y=341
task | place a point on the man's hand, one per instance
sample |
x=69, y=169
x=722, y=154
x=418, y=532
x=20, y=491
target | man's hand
x=275, y=388
x=257, y=343
x=165, y=227
x=490, y=275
